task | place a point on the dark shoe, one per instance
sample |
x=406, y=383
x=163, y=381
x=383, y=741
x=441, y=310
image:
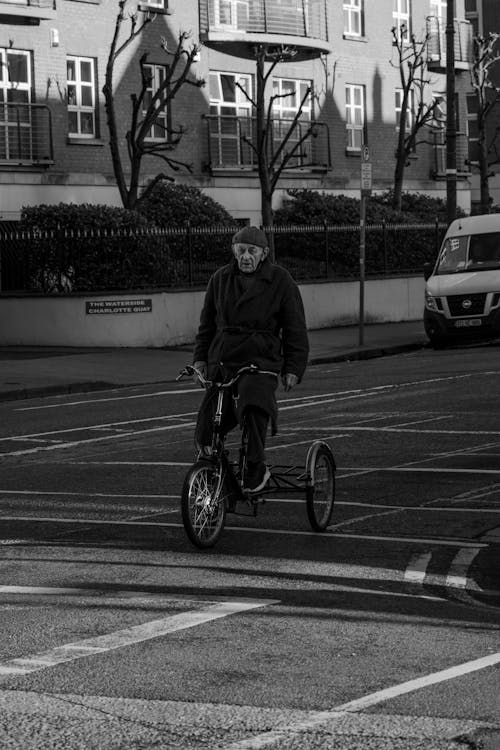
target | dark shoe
x=205, y=451
x=256, y=478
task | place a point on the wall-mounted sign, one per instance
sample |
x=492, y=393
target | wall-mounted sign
x=117, y=306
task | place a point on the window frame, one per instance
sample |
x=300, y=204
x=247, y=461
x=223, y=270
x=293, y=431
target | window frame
x=24, y=121
x=79, y=108
x=280, y=107
x=438, y=9
x=285, y=112
x=400, y=17
x=350, y=121
x=225, y=135
x=353, y=9
x=154, y=6
x=410, y=112
x=233, y=6
x=165, y=115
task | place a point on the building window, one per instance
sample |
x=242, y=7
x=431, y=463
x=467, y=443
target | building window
x=438, y=9
x=158, y=5
x=353, y=19
x=15, y=76
x=16, y=131
x=355, y=116
x=231, y=14
x=410, y=109
x=401, y=17
x=81, y=97
x=155, y=77
x=288, y=96
x=473, y=14
x=230, y=119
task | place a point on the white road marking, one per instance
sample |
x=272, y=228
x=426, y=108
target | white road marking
x=127, y=637
x=115, y=425
x=410, y=469
x=109, y=398
x=65, y=493
x=303, y=442
x=133, y=463
x=416, y=569
x=318, y=718
x=438, y=542
x=286, y=500
x=458, y=572
x=89, y=441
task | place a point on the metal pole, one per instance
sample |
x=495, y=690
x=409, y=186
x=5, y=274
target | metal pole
x=362, y=246
x=451, y=126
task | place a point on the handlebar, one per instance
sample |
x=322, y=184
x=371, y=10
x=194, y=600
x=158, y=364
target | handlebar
x=189, y=371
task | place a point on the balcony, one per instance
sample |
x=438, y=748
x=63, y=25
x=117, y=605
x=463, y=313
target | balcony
x=236, y=26
x=438, y=171
x=25, y=135
x=229, y=139
x=436, y=49
x=31, y=10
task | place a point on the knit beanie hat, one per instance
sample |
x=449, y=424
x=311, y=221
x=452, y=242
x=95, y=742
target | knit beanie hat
x=251, y=236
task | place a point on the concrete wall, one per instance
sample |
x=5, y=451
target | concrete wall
x=171, y=318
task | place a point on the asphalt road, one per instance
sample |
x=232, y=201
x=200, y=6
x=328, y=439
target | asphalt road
x=381, y=633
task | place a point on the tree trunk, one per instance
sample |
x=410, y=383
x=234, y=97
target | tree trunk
x=399, y=172
x=484, y=176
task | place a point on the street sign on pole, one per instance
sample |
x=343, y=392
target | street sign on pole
x=366, y=189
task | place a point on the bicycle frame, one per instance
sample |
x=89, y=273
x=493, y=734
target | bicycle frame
x=213, y=487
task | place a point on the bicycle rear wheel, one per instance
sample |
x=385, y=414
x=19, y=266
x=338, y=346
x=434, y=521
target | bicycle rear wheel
x=203, y=504
x=320, y=492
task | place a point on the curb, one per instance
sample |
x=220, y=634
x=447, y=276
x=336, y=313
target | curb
x=56, y=390
x=360, y=354
x=86, y=386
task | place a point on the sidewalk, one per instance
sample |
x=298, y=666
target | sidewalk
x=28, y=372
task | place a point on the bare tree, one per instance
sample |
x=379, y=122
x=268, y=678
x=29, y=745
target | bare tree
x=485, y=56
x=274, y=154
x=146, y=109
x=416, y=112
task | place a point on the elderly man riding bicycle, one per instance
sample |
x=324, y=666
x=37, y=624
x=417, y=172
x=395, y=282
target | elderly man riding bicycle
x=252, y=314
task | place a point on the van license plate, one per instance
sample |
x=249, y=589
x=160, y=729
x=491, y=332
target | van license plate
x=468, y=323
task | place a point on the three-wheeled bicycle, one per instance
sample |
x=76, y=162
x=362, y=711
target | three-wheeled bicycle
x=214, y=485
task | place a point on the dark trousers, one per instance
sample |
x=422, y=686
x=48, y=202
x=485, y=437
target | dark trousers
x=257, y=420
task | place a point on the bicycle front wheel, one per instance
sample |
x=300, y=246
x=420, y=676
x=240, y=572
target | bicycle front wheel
x=203, y=504
x=320, y=492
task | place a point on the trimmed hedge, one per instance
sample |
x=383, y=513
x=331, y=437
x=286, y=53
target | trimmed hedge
x=87, y=247
x=386, y=250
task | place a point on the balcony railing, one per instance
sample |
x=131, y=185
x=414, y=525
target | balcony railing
x=25, y=134
x=229, y=140
x=436, y=49
x=286, y=20
x=462, y=155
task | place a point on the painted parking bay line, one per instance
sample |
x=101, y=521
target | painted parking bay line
x=321, y=718
x=127, y=637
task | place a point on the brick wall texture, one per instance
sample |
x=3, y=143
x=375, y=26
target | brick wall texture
x=86, y=29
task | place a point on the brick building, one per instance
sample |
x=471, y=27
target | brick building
x=484, y=15
x=54, y=143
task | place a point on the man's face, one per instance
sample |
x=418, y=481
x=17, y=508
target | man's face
x=249, y=256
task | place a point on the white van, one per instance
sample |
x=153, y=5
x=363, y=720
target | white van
x=462, y=293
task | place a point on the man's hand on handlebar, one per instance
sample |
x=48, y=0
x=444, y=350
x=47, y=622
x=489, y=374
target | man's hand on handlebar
x=289, y=380
x=202, y=369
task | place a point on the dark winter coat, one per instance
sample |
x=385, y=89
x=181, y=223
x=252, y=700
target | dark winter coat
x=262, y=325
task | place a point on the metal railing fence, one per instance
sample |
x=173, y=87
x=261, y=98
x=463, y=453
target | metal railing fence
x=301, y=18
x=79, y=261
